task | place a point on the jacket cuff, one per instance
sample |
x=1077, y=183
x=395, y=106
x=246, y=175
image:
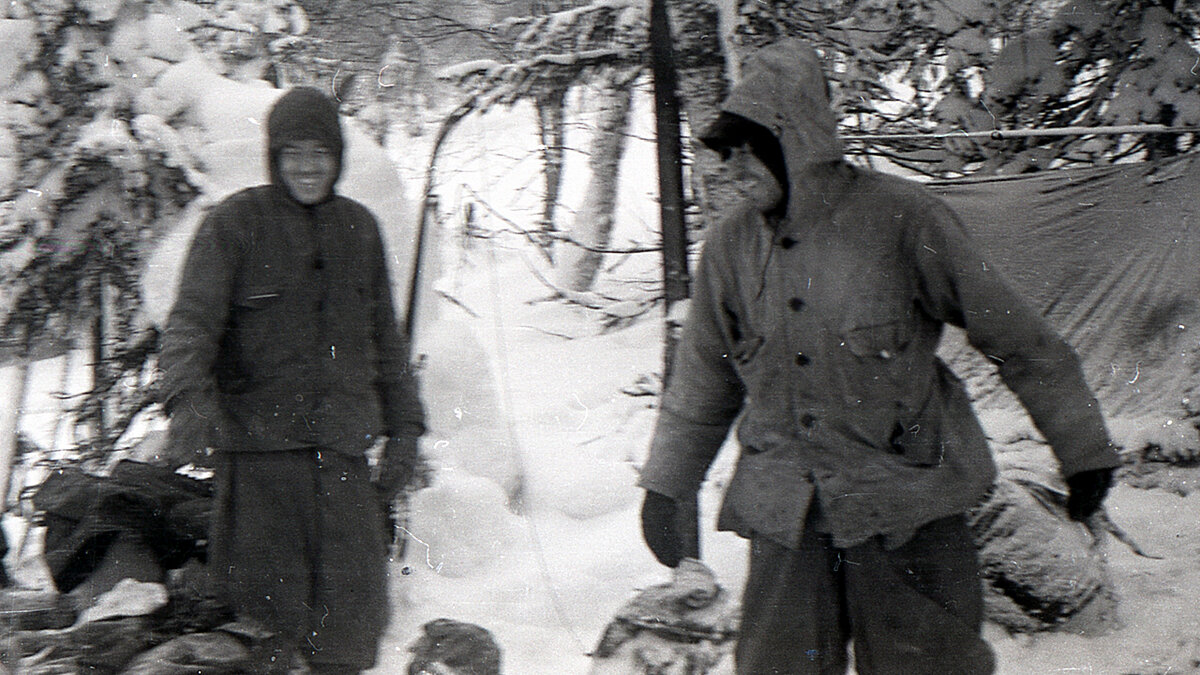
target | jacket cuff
x=406, y=429
x=1081, y=442
x=1102, y=455
x=680, y=454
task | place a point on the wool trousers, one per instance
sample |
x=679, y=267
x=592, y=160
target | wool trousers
x=912, y=610
x=298, y=545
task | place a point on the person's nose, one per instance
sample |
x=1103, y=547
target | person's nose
x=310, y=163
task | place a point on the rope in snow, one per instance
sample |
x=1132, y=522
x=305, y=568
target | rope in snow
x=505, y=402
x=1001, y=134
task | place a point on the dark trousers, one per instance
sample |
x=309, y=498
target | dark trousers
x=913, y=610
x=297, y=544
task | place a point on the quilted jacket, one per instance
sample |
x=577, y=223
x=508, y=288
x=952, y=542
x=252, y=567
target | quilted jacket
x=817, y=334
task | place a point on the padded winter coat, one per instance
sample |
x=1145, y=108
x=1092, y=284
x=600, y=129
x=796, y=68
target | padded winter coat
x=283, y=333
x=819, y=330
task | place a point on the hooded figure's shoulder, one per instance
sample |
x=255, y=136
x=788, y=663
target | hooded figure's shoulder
x=242, y=200
x=353, y=209
x=235, y=211
x=901, y=198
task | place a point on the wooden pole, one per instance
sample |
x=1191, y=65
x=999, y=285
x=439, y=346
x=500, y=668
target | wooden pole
x=670, y=172
x=670, y=203
x=427, y=220
x=100, y=366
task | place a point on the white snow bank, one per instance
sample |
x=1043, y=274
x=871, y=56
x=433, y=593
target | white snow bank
x=20, y=47
x=461, y=525
x=215, y=107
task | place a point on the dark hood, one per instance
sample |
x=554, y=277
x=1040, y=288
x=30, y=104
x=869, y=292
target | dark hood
x=303, y=113
x=783, y=89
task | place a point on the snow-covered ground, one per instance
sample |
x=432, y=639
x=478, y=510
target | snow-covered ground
x=531, y=527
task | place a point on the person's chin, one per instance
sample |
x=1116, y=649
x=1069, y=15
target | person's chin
x=309, y=197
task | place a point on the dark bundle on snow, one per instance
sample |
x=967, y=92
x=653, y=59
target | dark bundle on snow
x=686, y=625
x=1041, y=569
x=449, y=647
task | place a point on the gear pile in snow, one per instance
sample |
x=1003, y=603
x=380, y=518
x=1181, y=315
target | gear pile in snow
x=1041, y=569
x=449, y=646
x=685, y=626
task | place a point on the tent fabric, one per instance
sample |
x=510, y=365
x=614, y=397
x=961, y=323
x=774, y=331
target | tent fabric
x=1111, y=256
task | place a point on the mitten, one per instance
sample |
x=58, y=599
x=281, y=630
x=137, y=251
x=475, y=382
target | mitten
x=669, y=531
x=1085, y=491
x=397, y=466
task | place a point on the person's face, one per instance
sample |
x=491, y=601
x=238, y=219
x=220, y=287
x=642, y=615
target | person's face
x=308, y=169
x=752, y=179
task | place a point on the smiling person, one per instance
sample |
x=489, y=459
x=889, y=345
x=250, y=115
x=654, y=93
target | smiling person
x=282, y=355
x=817, y=309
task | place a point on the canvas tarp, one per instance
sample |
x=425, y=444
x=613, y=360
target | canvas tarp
x=1111, y=256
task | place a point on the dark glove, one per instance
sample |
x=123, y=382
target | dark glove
x=1085, y=491
x=397, y=466
x=669, y=530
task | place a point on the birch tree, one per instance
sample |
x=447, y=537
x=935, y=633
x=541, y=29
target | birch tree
x=580, y=252
x=599, y=42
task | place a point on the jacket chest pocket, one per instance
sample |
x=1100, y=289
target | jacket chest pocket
x=878, y=341
x=257, y=325
x=872, y=361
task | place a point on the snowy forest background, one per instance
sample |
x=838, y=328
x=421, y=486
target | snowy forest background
x=543, y=317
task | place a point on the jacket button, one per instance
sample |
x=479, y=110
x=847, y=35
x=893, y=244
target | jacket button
x=808, y=420
x=802, y=359
x=318, y=263
x=787, y=242
x=795, y=304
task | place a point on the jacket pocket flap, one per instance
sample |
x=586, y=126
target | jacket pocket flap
x=257, y=298
x=883, y=340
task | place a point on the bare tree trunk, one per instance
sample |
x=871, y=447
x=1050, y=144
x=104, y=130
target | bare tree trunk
x=579, y=258
x=697, y=29
x=552, y=130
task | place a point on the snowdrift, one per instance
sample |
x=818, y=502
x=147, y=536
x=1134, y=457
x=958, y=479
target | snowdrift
x=1110, y=256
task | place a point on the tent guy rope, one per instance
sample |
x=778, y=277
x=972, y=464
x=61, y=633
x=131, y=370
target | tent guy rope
x=506, y=411
x=1001, y=134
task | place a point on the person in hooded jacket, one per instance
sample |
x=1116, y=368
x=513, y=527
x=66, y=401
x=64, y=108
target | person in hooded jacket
x=817, y=307
x=283, y=355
